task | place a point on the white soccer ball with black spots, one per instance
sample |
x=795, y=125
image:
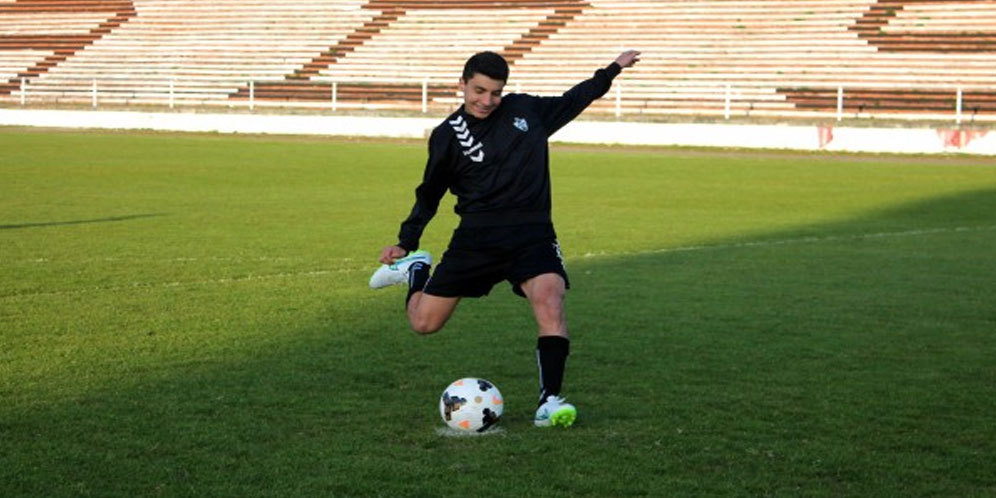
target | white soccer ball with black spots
x=471, y=405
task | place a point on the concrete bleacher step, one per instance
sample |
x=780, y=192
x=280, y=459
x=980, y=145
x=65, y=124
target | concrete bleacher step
x=390, y=12
x=328, y=57
x=62, y=46
x=345, y=92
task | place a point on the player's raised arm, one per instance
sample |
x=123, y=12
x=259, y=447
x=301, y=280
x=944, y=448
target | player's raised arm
x=558, y=111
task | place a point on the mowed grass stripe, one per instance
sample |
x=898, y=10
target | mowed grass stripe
x=366, y=268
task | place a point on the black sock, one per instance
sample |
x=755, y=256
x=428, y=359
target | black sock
x=418, y=276
x=551, y=356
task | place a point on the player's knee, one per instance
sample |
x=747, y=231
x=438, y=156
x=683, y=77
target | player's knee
x=550, y=303
x=549, y=310
x=425, y=325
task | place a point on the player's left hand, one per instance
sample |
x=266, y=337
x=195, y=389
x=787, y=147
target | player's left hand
x=628, y=58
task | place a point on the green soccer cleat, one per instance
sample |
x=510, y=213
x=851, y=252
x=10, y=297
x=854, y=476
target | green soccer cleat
x=555, y=412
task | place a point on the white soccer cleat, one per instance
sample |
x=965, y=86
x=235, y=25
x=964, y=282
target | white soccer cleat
x=397, y=272
x=555, y=412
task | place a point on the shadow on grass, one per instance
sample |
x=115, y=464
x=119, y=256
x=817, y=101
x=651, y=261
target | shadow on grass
x=847, y=366
x=109, y=219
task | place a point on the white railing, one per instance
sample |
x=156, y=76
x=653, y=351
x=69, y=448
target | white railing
x=629, y=98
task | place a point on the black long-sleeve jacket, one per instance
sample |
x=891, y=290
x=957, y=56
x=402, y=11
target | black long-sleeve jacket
x=498, y=167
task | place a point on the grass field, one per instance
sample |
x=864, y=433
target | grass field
x=188, y=315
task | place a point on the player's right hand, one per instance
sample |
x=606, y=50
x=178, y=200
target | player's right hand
x=391, y=253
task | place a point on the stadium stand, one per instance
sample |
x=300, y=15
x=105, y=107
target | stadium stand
x=895, y=58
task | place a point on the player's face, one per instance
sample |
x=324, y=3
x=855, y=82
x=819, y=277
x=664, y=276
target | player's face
x=481, y=95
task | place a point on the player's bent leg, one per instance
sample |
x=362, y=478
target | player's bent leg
x=428, y=313
x=546, y=296
x=398, y=272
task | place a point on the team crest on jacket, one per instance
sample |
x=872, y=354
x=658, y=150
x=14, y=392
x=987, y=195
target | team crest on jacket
x=521, y=124
x=471, y=147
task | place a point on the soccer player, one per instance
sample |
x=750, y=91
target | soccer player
x=492, y=153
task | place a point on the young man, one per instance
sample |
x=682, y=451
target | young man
x=492, y=153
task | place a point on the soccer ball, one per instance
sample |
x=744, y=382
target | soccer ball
x=471, y=405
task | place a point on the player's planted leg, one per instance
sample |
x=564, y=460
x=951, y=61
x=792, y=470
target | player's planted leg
x=546, y=296
x=555, y=412
x=551, y=357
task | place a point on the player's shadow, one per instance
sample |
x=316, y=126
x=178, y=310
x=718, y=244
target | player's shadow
x=108, y=219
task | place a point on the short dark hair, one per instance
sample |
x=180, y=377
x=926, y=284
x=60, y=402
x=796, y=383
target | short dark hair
x=489, y=64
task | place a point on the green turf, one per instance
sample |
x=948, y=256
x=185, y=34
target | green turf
x=186, y=315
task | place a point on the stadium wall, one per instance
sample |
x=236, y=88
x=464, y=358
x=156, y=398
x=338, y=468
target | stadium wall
x=795, y=137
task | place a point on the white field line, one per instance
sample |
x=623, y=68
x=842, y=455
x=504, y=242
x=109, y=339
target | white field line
x=450, y=432
x=213, y=259
x=143, y=286
x=138, y=286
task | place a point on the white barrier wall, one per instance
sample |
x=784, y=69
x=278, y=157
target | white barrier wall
x=223, y=123
x=851, y=139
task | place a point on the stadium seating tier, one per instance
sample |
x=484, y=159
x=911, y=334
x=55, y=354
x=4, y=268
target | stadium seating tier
x=743, y=57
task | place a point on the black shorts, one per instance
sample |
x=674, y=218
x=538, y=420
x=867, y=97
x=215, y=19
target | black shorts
x=479, y=258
